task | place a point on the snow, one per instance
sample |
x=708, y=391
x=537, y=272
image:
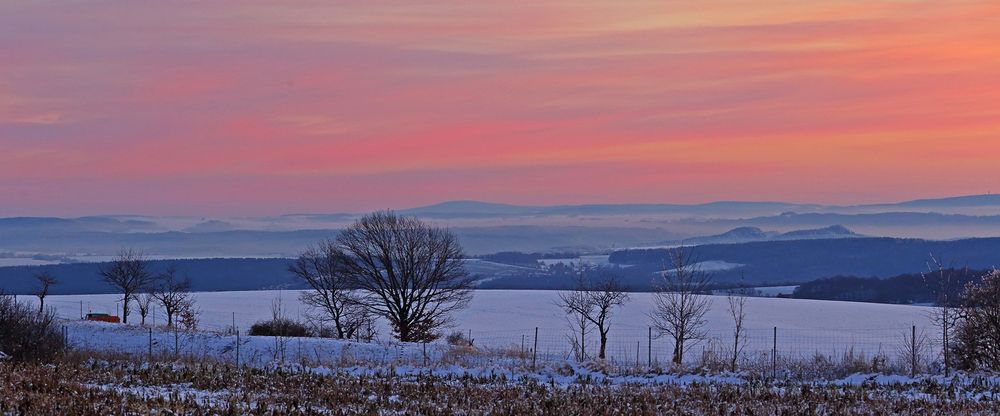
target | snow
x=507, y=319
x=327, y=356
x=179, y=392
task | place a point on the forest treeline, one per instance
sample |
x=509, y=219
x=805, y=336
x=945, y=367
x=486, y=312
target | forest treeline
x=910, y=288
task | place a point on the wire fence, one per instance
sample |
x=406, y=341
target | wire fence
x=650, y=347
x=768, y=347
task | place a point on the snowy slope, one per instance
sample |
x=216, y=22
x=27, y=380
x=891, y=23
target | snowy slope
x=502, y=319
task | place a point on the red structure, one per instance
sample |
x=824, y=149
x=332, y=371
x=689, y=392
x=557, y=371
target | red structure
x=102, y=317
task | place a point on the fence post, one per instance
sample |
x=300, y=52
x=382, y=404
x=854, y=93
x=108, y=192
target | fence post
x=534, y=351
x=237, y=349
x=177, y=344
x=425, y=352
x=913, y=351
x=522, y=346
x=81, y=309
x=150, y=345
x=637, y=354
x=649, y=348
x=774, y=355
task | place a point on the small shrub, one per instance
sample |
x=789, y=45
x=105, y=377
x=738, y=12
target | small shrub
x=27, y=334
x=458, y=339
x=189, y=317
x=280, y=328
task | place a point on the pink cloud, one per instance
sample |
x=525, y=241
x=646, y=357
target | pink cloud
x=249, y=107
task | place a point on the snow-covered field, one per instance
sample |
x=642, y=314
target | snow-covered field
x=505, y=318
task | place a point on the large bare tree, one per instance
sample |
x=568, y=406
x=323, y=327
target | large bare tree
x=324, y=270
x=680, y=302
x=128, y=273
x=594, y=303
x=173, y=293
x=45, y=280
x=408, y=272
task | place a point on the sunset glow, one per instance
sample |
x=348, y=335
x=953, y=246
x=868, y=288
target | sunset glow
x=262, y=107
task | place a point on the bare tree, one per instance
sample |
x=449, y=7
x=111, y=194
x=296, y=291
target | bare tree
x=324, y=270
x=737, y=300
x=577, y=308
x=406, y=271
x=945, y=316
x=579, y=328
x=595, y=303
x=129, y=273
x=144, y=302
x=680, y=303
x=45, y=281
x=281, y=324
x=913, y=348
x=173, y=293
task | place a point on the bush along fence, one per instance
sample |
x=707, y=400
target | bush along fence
x=762, y=352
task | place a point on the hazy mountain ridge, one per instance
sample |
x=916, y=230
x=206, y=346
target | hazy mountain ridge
x=752, y=234
x=490, y=227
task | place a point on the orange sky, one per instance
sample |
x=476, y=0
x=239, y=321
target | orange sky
x=261, y=107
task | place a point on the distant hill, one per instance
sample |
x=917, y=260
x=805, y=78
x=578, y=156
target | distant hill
x=93, y=223
x=949, y=202
x=833, y=231
x=882, y=219
x=754, y=263
x=804, y=260
x=925, y=288
x=206, y=242
x=473, y=209
x=207, y=275
x=479, y=208
x=752, y=234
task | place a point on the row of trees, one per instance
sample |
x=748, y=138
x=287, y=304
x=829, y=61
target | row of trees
x=680, y=304
x=412, y=275
x=132, y=276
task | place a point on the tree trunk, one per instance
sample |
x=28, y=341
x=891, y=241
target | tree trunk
x=604, y=344
x=678, y=350
x=404, y=332
x=125, y=312
x=736, y=352
x=340, y=330
x=41, y=305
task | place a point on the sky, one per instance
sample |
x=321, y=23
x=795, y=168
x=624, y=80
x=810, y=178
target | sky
x=259, y=107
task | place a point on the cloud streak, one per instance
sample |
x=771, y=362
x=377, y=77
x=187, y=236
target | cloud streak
x=260, y=108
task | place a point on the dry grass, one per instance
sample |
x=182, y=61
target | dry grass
x=120, y=385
